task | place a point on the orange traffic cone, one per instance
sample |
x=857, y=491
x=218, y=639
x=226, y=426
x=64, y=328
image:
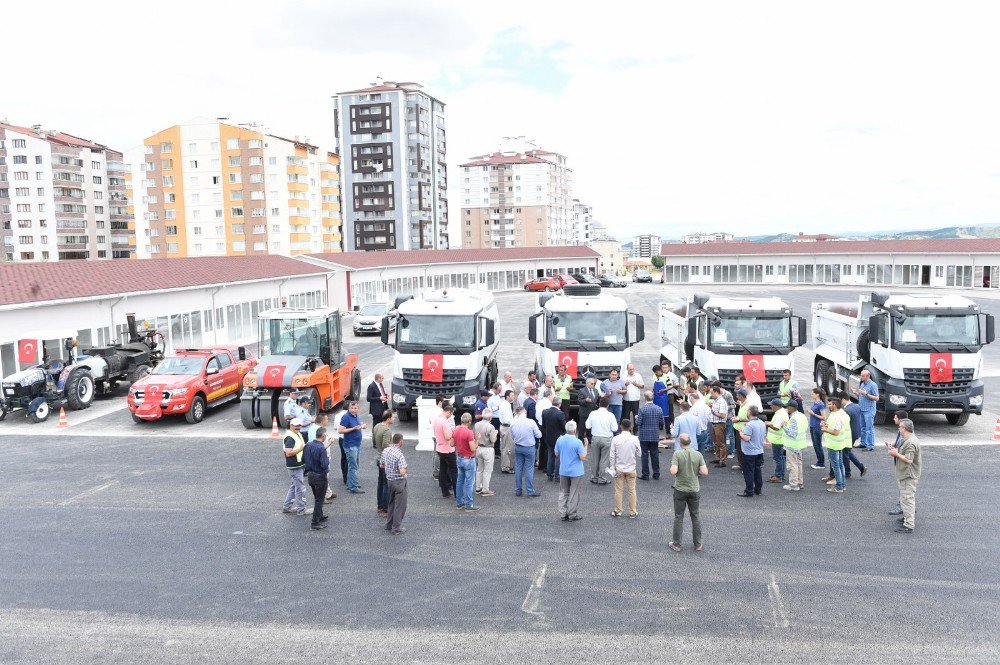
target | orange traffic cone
x=275, y=433
x=65, y=423
x=996, y=431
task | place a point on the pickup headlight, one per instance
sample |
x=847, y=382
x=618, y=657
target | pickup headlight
x=976, y=400
x=399, y=399
x=897, y=400
x=178, y=392
x=132, y=392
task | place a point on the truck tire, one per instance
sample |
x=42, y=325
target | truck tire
x=247, y=414
x=355, y=393
x=862, y=346
x=819, y=375
x=313, y=395
x=881, y=417
x=831, y=380
x=80, y=389
x=40, y=414
x=3, y=411
x=138, y=373
x=957, y=418
x=196, y=413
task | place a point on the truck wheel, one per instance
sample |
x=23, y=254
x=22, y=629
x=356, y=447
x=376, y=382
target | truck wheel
x=881, y=417
x=40, y=414
x=196, y=413
x=139, y=372
x=246, y=414
x=831, y=380
x=80, y=389
x=3, y=412
x=863, y=345
x=355, y=385
x=957, y=418
x=819, y=375
x=313, y=395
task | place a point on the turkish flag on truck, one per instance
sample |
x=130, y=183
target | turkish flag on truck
x=433, y=368
x=27, y=351
x=570, y=359
x=941, y=368
x=753, y=369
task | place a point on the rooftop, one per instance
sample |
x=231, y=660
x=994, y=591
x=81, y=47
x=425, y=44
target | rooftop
x=529, y=157
x=921, y=246
x=419, y=257
x=54, y=136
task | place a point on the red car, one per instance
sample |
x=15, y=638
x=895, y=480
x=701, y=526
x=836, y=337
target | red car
x=564, y=279
x=543, y=284
x=189, y=382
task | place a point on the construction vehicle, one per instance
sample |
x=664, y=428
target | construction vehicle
x=300, y=352
x=585, y=329
x=190, y=382
x=923, y=351
x=725, y=337
x=445, y=344
x=55, y=382
x=125, y=362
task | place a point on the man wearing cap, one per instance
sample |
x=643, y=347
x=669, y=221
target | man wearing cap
x=796, y=434
x=480, y=405
x=776, y=437
x=297, y=406
x=293, y=444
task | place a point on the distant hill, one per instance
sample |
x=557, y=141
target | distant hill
x=977, y=231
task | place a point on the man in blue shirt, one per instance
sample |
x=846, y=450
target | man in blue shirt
x=571, y=452
x=867, y=394
x=317, y=467
x=648, y=420
x=685, y=423
x=524, y=432
x=753, y=435
x=614, y=389
x=477, y=410
x=350, y=431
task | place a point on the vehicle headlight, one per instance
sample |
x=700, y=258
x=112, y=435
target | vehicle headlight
x=897, y=400
x=250, y=381
x=132, y=392
x=399, y=399
x=178, y=392
x=976, y=400
x=469, y=401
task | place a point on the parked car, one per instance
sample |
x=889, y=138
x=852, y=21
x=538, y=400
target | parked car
x=564, y=279
x=612, y=281
x=641, y=275
x=189, y=382
x=543, y=284
x=368, y=320
x=585, y=278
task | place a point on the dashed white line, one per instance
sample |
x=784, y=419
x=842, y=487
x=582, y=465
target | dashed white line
x=777, y=603
x=534, y=595
x=86, y=493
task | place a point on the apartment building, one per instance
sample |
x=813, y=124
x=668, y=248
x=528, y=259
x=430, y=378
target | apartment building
x=696, y=238
x=583, y=217
x=392, y=138
x=62, y=197
x=646, y=246
x=597, y=231
x=210, y=188
x=517, y=199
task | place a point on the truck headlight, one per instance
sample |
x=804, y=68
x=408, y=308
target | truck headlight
x=897, y=400
x=976, y=400
x=398, y=399
x=469, y=401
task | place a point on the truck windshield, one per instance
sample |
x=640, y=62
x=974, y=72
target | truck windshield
x=747, y=331
x=941, y=330
x=587, y=330
x=423, y=333
x=180, y=366
x=294, y=337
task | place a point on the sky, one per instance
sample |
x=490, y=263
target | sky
x=752, y=117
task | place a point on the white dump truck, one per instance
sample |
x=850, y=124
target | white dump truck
x=923, y=351
x=445, y=344
x=725, y=337
x=582, y=327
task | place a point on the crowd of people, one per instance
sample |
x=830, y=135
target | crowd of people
x=619, y=430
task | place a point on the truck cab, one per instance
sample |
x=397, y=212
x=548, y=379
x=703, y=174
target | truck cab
x=445, y=344
x=585, y=329
x=725, y=336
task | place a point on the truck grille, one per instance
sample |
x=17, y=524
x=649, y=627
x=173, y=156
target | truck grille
x=918, y=382
x=767, y=390
x=600, y=371
x=140, y=394
x=452, y=383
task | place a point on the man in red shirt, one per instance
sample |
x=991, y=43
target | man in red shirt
x=445, y=446
x=465, y=449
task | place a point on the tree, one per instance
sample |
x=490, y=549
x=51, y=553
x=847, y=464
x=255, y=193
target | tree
x=657, y=262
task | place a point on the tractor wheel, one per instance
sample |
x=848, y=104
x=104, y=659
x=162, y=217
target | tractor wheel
x=138, y=373
x=80, y=389
x=957, y=418
x=196, y=413
x=313, y=396
x=247, y=415
x=355, y=386
x=40, y=414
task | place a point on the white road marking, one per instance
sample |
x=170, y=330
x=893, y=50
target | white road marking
x=777, y=604
x=534, y=595
x=86, y=493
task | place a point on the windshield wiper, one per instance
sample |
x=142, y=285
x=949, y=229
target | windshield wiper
x=413, y=347
x=933, y=348
x=770, y=346
x=569, y=346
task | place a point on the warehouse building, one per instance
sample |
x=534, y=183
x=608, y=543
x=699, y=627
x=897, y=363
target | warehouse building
x=954, y=263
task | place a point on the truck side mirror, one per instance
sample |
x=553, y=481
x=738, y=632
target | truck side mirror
x=691, y=337
x=802, y=333
x=873, y=330
x=990, y=329
x=639, y=329
x=489, y=333
x=533, y=327
x=385, y=331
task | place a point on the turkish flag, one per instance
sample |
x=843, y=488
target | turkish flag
x=570, y=359
x=753, y=369
x=941, y=368
x=152, y=393
x=274, y=376
x=27, y=351
x=433, y=368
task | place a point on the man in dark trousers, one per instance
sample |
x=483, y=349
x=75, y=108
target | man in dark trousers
x=553, y=427
x=587, y=398
x=317, y=467
x=378, y=399
x=394, y=464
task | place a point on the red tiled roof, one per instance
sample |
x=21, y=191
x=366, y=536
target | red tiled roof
x=56, y=137
x=921, y=246
x=417, y=257
x=500, y=158
x=36, y=282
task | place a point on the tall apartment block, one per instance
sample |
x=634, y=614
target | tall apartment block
x=517, y=199
x=209, y=188
x=583, y=216
x=646, y=246
x=62, y=197
x=392, y=140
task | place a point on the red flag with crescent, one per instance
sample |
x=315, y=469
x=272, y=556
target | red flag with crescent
x=27, y=351
x=570, y=359
x=274, y=376
x=753, y=369
x=433, y=368
x=941, y=368
x=152, y=393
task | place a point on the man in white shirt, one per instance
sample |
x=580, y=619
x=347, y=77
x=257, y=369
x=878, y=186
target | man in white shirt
x=633, y=393
x=493, y=404
x=602, y=425
x=625, y=451
x=508, y=384
x=506, y=417
x=753, y=397
x=703, y=413
x=543, y=402
x=523, y=395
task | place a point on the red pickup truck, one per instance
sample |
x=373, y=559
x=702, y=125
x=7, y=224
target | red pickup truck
x=189, y=382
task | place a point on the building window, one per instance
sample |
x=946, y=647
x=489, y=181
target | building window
x=171, y=248
x=236, y=212
x=166, y=147
x=232, y=144
x=171, y=230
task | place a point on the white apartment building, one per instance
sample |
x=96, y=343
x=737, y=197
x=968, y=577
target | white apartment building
x=583, y=216
x=646, y=246
x=62, y=197
x=718, y=236
x=612, y=259
x=597, y=231
x=392, y=139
